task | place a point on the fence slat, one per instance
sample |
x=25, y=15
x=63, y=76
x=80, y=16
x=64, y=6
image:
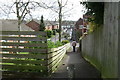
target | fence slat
x=55, y=49
x=24, y=44
x=31, y=56
x=25, y=38
x=54, y=53
x=57, y=56
x=23, y=33
x=53, y=65
x=24, y=50
x=19, y=75
x=22, y=67
x=15, y=61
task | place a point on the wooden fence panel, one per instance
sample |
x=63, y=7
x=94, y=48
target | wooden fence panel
x=55, y=56
x=26, y=52
x=23, y=52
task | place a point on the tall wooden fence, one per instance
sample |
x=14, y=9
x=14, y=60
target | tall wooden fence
x=25, y=54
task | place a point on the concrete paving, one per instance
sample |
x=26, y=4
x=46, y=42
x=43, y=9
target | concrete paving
x=73, y=64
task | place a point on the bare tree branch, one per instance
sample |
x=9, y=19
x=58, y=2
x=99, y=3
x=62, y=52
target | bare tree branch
x=25, y=9
x=65, y=3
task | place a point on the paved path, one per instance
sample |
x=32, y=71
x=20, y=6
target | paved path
x=82, y=68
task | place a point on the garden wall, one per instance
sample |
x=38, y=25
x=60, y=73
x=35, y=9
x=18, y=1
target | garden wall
x=101, y=47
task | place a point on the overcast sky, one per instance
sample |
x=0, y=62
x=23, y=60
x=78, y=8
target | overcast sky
x=74, y=14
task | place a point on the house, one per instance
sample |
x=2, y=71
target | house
x=77, y=30
x=85, y=20
x=33, y=25
x=79, y=24
x=68, y=24
x=12, y=25
x=49, y=25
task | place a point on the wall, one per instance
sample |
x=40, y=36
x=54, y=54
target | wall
x=101, y=46
x=11, y=25
x=119, y=42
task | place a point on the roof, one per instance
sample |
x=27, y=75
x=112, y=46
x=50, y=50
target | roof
x=12, y=25
x=34, y=25
x=79, y=22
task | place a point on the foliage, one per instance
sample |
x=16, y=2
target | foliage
x=96, y=10
x=42, y=25
x=54, y=32
x=92, y=27
x=78, y=34
x=54, y=45
x=66, y=35
x=49, y=33
x=57, y=30
x=58, y=43
x=65, y=42
x=50, y=44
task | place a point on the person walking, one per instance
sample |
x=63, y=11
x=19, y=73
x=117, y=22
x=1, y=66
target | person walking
x=74, y=43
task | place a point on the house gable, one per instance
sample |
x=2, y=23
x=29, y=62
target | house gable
x=34, y=25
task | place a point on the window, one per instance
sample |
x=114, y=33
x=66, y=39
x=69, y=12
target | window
x=81, y=26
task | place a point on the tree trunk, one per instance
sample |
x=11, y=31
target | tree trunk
x=60, y=19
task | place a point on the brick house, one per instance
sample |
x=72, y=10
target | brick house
x=79, y=24
x=77, y=31
x=34, y=25
x=85, y=20
x=49, y=25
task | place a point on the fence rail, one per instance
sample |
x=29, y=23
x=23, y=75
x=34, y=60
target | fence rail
x=26, y=53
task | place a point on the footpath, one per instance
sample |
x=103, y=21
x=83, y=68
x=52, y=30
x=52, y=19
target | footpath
x=74, y=65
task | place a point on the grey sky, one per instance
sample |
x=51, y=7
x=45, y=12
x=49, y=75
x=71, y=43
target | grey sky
x=73, y=14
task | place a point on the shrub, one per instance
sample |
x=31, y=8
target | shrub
x=57, y=30
x=66, y=35
x=49, y=33
x=42, y=25
x=58, y=43
x=51, y=44
x=37, y=42
x=54, y=32
x=54, y=45
x=65, y=42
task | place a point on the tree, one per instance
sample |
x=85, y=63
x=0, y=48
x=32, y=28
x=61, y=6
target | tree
x=60, y=18
x=57, y=7
x=21, y=8
x=42, y=25
x=96, y=10
x=21, y=11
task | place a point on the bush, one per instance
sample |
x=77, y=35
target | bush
x=49, y=33
x=66, y=35
x=58, y=43
x=54, y=45
x=51, y=44
x=65, y=42
x=58, y=30
x=54, y=32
